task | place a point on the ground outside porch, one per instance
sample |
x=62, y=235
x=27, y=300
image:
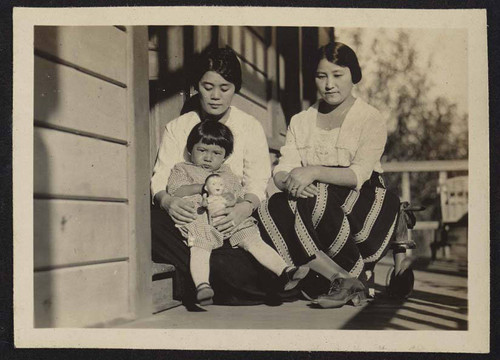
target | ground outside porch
x=438, y=302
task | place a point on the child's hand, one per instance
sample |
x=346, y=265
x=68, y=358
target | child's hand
x=227, y=219
x=230, y=199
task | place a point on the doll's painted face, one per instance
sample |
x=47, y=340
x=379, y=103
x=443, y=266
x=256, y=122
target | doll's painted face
x=215, y=185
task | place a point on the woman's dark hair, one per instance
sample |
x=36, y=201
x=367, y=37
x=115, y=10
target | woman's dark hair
x=221, y=60
x=342, y=55
x=211, y=133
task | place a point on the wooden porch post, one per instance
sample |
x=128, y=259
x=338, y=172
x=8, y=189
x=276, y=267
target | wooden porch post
x=405, y=187
x=139, y=172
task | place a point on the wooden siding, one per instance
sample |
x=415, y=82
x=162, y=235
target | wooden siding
x=257, y=111
x=71, y=232
x=167, y=80
x=98, y=49
x=250, y=44
x=273, y=61
x=91, y=162
x=251, y=50
x=67, y=97
x=73, y=165
x=81, y=296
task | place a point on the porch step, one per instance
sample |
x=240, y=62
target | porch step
x=163, y=283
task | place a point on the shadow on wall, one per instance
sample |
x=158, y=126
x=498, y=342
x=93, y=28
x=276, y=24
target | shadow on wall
x=167, y=78
x=173, y=50
x=289, y=94
x=45, y=80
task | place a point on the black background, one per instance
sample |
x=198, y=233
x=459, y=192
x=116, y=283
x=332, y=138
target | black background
x=7, y=350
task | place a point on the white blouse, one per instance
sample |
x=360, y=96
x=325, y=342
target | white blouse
x=324, y=151
x=358, y=144
x=249, y=161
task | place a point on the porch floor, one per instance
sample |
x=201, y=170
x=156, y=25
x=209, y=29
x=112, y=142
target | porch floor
x=438, y=302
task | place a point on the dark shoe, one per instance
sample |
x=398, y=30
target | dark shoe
x=343, y=291
x=367, y=277
x=291, y=276
x=204, y=294
x=314, y=285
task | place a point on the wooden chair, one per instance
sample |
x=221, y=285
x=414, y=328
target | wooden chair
x=454, y=196
x=400, y=278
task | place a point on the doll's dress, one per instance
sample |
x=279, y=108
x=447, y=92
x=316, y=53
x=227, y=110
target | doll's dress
x=200, y=233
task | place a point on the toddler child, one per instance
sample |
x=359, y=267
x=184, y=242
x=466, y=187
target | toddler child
x=211, y=184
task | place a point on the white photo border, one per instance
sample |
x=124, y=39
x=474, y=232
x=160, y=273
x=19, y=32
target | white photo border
x=475, y=339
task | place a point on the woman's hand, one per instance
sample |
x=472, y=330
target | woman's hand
x=298, y=179
x=230, y=217
x=309, y=191
x=180, y=210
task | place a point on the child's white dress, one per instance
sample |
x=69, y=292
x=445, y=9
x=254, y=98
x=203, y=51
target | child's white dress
x=200, y=233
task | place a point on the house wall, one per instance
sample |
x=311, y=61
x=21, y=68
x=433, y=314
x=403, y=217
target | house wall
x=102, y=97
x=90, y=136
x=271, y=59
x=277, y=83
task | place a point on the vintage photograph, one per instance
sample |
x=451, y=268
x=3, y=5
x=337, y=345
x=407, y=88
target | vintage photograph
x=262, y=177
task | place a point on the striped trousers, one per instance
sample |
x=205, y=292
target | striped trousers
x=353, y=228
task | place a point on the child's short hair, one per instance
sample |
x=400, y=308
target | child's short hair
x=211, y=133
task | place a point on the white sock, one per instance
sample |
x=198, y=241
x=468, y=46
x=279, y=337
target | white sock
x=199, y=265
x=264, y=254
x=325, y=266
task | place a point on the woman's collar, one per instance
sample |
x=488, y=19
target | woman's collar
x=223, y=119
x=349, y=127
x=315, y=106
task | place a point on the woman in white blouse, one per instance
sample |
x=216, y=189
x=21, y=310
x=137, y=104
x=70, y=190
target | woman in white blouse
x=334, y=212
x=236, y=277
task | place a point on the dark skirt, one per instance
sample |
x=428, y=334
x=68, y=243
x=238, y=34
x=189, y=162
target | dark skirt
x=353, y=228
x=236, y=277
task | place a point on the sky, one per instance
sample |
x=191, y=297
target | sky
x=446, y=47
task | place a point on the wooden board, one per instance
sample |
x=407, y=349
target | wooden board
x=246, y=43
x=66, y=97
x=138, y=175
x=100, y=49
x=154, y=64
x=255, y=110
x=254, y=50
x=252, y=53
x=163, y=295
x=259, y=30
x=81, y=296
x=202, y=37
x=254, y=85
x=69, y=232
x=68, y=164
